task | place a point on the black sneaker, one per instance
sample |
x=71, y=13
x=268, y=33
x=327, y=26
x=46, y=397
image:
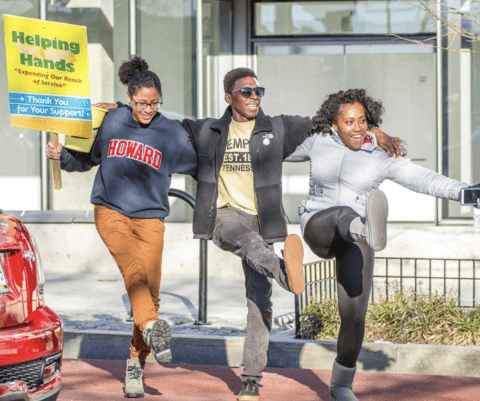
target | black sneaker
x=249, y=391
x=157, y=336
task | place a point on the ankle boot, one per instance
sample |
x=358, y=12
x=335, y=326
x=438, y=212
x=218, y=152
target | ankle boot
x=134, y=378
x=341, y=383
x=374, y=231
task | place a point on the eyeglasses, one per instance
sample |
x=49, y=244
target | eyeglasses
x=247, y=91
x=144, y=105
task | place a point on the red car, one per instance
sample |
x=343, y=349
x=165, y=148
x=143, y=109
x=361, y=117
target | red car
x=31, y=334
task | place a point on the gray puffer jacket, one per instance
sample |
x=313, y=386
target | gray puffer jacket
x=342, y=176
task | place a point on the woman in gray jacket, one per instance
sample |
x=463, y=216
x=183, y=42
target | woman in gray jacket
x=345, y=215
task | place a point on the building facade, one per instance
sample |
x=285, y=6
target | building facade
x=302, y=51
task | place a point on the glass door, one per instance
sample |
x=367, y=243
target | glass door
x=298, y=78
x=20, y=172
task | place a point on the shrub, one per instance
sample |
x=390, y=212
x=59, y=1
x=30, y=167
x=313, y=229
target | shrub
x=405, y=318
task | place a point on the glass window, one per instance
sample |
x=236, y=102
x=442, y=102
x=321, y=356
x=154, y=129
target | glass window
x=461, y=131
x=107, y=23
x=460, y=142
x=471, y=16
x=475, y=110
x=378, y=17
x=217, y=46
x=171, y=57
x=402, y=76
x=166, y=39
x=20, y=175
x=107, y=33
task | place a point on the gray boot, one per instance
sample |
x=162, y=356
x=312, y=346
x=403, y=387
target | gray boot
x=374, y=231
x=134, y=378
x=341, y=383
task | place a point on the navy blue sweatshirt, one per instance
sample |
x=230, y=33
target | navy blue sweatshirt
x=136, y=163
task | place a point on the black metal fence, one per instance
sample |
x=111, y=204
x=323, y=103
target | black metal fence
x=454, y=278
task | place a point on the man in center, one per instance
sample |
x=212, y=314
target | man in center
x=239, y=203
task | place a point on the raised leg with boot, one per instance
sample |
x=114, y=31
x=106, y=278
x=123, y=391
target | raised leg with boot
x=374, y=230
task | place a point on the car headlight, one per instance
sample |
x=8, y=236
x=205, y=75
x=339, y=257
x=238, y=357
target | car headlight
x=6, y=226
x=3, y=225
x=35, y=256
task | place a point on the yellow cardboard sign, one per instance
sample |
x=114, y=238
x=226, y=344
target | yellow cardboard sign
x=48, y=79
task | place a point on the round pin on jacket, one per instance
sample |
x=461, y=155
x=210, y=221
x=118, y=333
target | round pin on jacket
x=266, y=141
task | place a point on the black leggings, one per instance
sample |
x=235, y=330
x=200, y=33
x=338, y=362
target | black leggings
x=327, y=235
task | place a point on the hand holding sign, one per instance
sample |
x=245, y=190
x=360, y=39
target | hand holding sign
x=57, y=175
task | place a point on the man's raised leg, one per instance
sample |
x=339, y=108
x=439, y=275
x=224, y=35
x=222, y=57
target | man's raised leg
x=238, y=232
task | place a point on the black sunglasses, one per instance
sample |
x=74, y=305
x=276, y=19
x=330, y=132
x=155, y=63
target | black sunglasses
x=247, y=91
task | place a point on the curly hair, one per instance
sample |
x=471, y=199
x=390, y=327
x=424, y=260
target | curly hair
x=135, y=74
x=328, y=112
x=234, y=75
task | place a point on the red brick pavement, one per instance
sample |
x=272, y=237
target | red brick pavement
x=103, y=380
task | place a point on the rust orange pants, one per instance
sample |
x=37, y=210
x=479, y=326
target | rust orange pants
x=137, y=246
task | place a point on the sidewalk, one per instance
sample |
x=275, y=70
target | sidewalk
x=98, y=302
x=104, y=380
x=94, y=307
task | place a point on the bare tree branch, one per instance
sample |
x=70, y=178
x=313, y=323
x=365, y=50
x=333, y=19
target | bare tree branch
x=456, y=22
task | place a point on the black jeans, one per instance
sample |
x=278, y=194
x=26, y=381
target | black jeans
x=327, y=235
x=238, y=232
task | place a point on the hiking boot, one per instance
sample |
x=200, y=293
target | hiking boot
x=157, y=336
x=293, y=257
x=134, y=378
x=341, y=383
x=374, y=231
x=249, y=391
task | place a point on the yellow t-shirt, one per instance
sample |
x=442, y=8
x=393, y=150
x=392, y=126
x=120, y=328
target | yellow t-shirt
x=235, y=182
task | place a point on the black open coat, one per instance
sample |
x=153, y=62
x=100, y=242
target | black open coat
x=273, y=140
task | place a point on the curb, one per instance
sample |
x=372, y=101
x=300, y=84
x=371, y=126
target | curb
x=285, y=352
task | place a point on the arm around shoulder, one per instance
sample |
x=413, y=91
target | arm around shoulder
x=303, y=151
x=391, y=145
x=297, y=129
x=187, y=160
x=193, y=128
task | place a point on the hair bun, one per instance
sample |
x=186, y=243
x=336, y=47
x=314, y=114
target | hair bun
x=129, y=68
